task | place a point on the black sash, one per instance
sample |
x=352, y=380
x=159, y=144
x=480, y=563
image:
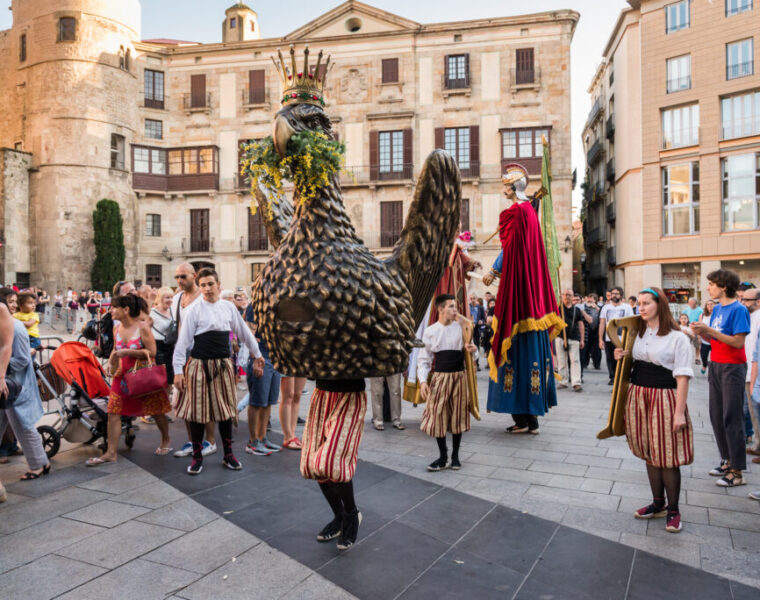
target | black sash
x=212, y=344
x=646, y=374
x=341, y=386
x=448, y=361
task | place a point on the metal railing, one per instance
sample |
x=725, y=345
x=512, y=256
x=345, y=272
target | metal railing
x=680, y=138
x=596, y=235
x=248, y=97
x=740, y=69
x=601, y=191
x=678, y=84
x=192, y=101
x=528, y=77
x=596, y=110
x=611, y=256
x=594, y=153
x=611, y=211
x=609, y=127
x=740, y=128
x=611, y=171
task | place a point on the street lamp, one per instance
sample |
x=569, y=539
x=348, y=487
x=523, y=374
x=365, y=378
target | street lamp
x=568, y=244
x=165, y=254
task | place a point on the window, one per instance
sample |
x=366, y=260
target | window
x=457, y=143
x=127, y=60
x=391, y=151
x=192, y=161
x=680, y=126
x=257, y=232
x=680, y=199
x=390, y=70
x=256, y=268
x=153, y=225
x=233, y=22
x=741, y=191
x=198, y=91
x=117, y=151
x=153, y=275
x=148, y=160
x=740, y=59
x=457, y=71
x=154, y=129
x=154, y=89
x=677, y=16
x=464, y=214
x=199, y=230
x=257, y=86
x=524, y=72
x=734, y=7
x=523, y=146
x=391, y=222
x=67, y=29
x=740, y=115
x=679, y=73
x=22, y=48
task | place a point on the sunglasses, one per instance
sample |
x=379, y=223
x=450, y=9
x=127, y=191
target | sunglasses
x=181, y=276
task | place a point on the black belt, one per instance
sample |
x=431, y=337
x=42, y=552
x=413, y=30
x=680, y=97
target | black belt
x=448, y=361
x=646, y=374
x=341, y=386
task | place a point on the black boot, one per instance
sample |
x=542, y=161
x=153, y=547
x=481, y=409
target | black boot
x=349, y=530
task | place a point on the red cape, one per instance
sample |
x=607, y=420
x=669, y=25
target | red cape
x=454, y=282
x=526, y=300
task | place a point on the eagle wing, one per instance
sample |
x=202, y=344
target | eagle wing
x=277, y=212
x=423, y=250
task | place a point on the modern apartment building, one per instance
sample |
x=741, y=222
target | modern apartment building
x=162, y=122
x=675, y=173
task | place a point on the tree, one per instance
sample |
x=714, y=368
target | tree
x=107, y=225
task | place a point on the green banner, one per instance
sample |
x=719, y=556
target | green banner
x=548, y=226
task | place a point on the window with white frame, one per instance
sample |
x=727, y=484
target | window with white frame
x=117, y=151
x=740, y=191
x=153, y=225
x=677, y=16
x=680, y=199
x=680, y=126
x=740, y=115
x=679, y=73
x=740, y=60
x=391, y=151
x=734, y=7
x=457, y=143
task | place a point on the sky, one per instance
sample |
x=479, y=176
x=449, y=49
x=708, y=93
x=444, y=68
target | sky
x=200, y=21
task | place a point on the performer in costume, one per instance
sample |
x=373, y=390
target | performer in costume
x=208, y=380
x=657, y=424
x=447, y=395
x=525, y=320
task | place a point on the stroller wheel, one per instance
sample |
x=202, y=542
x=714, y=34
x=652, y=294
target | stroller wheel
x=129, y=440
x=51, y=440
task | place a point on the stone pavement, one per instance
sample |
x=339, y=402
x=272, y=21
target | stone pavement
x=150, y=531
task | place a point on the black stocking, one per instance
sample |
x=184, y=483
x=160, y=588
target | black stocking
x=442, y=448
x=225, y=430
x=332, y=497
x=457, y=438
x=197, y=431
x=657, y=484
x=345, y=491
x=672, y=479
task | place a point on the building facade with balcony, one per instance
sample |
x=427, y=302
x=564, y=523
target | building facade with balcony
x=686, y=170
x=485, y=90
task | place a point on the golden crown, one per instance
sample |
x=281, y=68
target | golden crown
x=305, y=86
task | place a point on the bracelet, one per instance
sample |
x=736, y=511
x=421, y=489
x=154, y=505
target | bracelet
x=495, y=273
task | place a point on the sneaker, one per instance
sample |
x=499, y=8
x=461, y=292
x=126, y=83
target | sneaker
x=331, y=530
x=721, y=470
x=455, y=464
x=651, y=511
x=703, y=371
x=257, y=448
x=271, y=445
x=231, y=462
x=195, y=467
x=186, y=450
x=437, y=465
x=730, y=479
x=754, y=495
x=300, y=421
x=208, y=448
x=349, y=530
x=673, y=522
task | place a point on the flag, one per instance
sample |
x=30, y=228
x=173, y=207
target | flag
x=548, y=226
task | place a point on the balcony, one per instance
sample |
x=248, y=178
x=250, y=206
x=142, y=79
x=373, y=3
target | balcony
x=611, y=171
x=740, y=128
x=253, y=98
x=196, y=102
x=524, y=79
x=678, y=84
x=198, y=245
x=594, y=153
x=600, y=191
x=596, y=236
x=611, y=211
x=598, y=271
x=154, y=102
x=609, y=128
x=611, y=256
x=740, y=70
x=190, y=168
x=596, y=110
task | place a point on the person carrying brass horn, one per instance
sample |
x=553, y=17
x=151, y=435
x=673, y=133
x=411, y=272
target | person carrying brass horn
x=657, y=423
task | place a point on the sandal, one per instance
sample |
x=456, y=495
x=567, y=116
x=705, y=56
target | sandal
x=731, y=479
x=162, y=451
x=293, y=444
x=516, y=429
x=96, y=461
x=30, y=475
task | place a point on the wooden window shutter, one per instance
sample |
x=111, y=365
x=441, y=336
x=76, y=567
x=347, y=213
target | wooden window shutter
x=524, y=72
x=466, y=70
x=374, y=157
x=439, y=137
x=198, y=91
x=475, y=151
x=390, y=70
x=408, y=158
x=446, y=71
x=256, y=86
x=391, y=222
x=257, y=234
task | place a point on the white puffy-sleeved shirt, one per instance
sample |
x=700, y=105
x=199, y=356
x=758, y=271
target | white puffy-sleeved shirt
x=673, y=351
x=203, y=316
x=437, y=337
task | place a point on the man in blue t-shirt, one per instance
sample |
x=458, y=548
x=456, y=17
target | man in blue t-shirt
x=694, y=312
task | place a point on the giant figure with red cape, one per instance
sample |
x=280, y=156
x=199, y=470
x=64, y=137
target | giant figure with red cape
x=525, y=319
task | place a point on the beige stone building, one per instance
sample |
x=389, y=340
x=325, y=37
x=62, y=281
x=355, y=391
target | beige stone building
x=159, y=126
x=673, y=148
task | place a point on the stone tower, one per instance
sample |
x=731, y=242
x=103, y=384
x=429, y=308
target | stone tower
x=240, y=24
x=68, y=77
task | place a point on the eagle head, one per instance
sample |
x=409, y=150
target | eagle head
x=294, y=118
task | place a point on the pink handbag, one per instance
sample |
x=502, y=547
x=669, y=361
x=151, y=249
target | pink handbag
x=141, y=381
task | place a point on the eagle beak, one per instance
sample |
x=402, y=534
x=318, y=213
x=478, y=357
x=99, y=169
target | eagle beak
x=281, y=134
